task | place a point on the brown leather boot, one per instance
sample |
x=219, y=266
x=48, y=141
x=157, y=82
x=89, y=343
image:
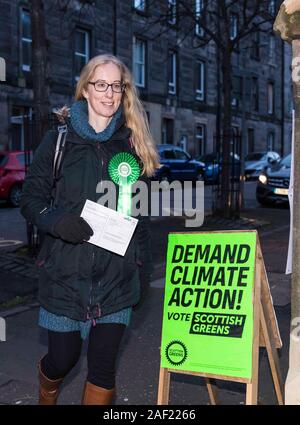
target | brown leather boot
x=97, y=395
x=48, y=391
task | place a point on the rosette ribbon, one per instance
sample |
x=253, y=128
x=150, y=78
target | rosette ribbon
x=124, y=170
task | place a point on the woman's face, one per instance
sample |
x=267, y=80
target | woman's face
x=104, y=104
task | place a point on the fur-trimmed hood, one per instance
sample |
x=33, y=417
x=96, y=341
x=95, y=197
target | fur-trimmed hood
x=62, y=113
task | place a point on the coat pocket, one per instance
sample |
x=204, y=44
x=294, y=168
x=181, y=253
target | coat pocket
x=63, y=262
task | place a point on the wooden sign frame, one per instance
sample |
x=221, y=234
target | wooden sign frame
x=265, y=334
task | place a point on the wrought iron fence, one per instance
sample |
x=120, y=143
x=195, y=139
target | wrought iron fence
x=31, y=142
x=233, y=190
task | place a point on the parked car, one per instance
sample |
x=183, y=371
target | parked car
x=255, y=162
x=213, y=166
x=12, y=175
x=178, y=165
x=273, y=183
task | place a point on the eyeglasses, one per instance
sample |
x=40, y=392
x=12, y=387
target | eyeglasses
x=102, y=87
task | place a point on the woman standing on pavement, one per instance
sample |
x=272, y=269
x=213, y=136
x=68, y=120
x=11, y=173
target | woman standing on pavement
x=86, y=291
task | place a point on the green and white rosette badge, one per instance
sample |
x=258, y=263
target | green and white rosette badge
x=124, y=170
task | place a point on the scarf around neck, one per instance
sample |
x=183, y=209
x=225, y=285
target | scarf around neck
x=80, y=122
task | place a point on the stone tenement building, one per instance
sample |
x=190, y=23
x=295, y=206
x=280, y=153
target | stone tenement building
x=177, y=83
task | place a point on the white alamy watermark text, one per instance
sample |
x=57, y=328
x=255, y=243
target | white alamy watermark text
x=181, y=199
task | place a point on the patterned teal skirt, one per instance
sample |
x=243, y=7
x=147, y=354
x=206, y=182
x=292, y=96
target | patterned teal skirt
x=57, y=323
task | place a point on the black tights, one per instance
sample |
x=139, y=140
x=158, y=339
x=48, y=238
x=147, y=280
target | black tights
x=64, y=350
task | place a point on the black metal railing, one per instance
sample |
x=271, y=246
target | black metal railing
x=31, y=142
x=232, y=192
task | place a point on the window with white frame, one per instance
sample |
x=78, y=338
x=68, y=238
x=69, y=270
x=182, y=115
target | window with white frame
x=172, y=11
x=200, y=139
x=234, y=19
x=139, y=65
x=82, y=50
x=172, y=72
x=270, y=98
x=199, y=4
x=20, y=116
x=140, y=5
x=271, y=7
x=26, y=41
x=200, y=80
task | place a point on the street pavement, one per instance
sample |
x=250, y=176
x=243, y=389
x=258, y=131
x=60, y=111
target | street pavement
x=139, y=360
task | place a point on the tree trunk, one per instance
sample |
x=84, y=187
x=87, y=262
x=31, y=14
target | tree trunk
x=288, y=26
x=226, y=198
x=292, y=390
x=296, y=207
x=39, y=70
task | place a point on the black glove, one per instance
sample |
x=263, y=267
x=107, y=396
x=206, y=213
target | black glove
x=72, y=228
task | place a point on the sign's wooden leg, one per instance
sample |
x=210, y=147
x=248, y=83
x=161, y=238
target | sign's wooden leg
x=163, y=386
x=252, y=388
x=251, y=393
x=212, y=391
x=273, y=357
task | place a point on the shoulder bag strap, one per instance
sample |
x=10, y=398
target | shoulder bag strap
x=60, y=144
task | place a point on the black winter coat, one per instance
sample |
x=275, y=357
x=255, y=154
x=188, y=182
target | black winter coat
x=80, y=281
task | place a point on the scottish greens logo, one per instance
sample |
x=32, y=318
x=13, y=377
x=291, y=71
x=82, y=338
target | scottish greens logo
x=176, y=352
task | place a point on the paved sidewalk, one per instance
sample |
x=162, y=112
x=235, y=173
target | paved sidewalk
x=15, y=263
x=138, y=369
x=18, y=278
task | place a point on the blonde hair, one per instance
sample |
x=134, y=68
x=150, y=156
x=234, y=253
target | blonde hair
x=135, y=115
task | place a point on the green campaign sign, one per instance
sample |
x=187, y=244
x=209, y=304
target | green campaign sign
x=208, y=306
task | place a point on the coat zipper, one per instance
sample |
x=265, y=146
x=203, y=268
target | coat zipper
x=89, y=311
x=101, y=174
